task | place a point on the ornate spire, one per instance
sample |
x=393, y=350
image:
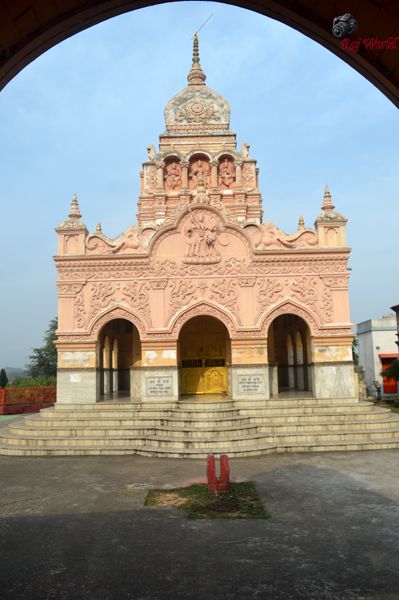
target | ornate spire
x=301, y=224
x=196, y=75
x=75, y=212
x=327, y=201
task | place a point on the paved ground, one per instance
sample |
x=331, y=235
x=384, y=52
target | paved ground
x=75, y=528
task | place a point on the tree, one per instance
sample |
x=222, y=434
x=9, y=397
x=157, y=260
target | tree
x=355, y=350
x=392, y=372
x=3, y=378
x=43, y=360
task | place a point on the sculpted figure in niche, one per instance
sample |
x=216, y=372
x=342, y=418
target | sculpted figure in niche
x=226, y=173
x=202, y=235
x=199, y=171
x=172, y=176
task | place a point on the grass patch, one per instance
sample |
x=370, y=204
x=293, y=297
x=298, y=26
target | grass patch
x=241, y=502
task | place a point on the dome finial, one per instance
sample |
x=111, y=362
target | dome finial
x=196, y=75
x=75, y=212
x=327, y=200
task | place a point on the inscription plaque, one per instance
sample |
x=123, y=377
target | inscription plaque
x=158, y=386
x=329, y=370
x=251, y=383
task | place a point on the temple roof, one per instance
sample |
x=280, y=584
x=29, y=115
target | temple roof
x=197, y=107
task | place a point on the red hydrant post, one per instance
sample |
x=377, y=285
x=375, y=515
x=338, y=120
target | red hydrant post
x=221, y=484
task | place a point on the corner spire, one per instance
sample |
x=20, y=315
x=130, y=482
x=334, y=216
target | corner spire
x=75, y=212
x=327, y=200
x=196, y=75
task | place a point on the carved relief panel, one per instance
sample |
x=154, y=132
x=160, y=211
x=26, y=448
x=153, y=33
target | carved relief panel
x=199, y=170
x=226, y=173
x=172, y=175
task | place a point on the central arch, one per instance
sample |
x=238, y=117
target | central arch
x=204, y=353
x=289, y=351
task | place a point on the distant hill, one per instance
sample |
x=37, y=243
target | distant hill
x=13, y=372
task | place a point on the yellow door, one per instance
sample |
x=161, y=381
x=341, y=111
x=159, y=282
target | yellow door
x=203, y=359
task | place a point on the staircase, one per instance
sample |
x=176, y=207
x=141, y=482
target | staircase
x=193, y=428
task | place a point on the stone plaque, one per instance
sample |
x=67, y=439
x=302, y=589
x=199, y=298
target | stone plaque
x=158, y=386
x=330, y=370
x=251, y=384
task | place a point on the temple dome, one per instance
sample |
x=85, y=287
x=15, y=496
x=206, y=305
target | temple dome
x=197, y=107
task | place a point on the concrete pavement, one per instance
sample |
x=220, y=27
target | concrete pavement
x=76, y=528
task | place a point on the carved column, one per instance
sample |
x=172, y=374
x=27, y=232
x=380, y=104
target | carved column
x=238, y=174
x=214, y=174
x=184, y=175
x=247, y=313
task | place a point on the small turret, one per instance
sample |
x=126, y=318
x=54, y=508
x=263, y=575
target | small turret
x=330, y=224
x=72, y=232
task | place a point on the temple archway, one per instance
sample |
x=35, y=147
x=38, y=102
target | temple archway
x=289, y=351
x=119, y=351
x=204, y=353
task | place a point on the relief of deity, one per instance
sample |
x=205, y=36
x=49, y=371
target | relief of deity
x=172, y=176
x=202, y=237
x=199, y=171
x=226, y=174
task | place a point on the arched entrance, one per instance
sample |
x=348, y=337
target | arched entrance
x=204, y=353
x=289, y=351
x=119, y=351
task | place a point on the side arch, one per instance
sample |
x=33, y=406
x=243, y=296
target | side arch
x=289, y=307
x=116, y=312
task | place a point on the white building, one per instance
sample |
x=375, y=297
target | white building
x=377, y=347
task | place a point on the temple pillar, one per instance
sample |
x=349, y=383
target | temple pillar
x=157, y=376
x=332, y=369
x=249, y=369
x=78, y=379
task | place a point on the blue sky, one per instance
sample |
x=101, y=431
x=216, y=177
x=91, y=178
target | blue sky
x=80, y=117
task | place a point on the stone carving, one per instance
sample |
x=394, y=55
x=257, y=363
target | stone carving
x=135, y=293
x=116, y=313
x=293, y=309
x=172, y=176
x=79, y=313
x=245, y=150
x=248, y=176
x=203, y=309
x=158, y=284
x=128, y=243
x=197, y=111
x=226, y=174
x=199, y=170
x=151, y=177
x=305, y=290
x=202, y=238
x=269, y=291
x=181, y=294
x=151, y=152
x=225, y=292
x=269, y=236
x=327, y=305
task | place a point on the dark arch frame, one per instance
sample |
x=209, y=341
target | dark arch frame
x=38, y=25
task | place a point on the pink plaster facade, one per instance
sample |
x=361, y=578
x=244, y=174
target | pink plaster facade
x=199, y=248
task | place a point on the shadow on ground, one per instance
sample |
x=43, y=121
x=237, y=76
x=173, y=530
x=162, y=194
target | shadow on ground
x=75, y=528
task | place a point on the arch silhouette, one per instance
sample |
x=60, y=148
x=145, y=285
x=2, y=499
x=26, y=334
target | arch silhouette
x=203, y=309
x=29, y=32
x=116, y=312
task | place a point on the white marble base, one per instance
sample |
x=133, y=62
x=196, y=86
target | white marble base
x=154, y=384
x=249, y=383
x=77, y=386
x=333, y=381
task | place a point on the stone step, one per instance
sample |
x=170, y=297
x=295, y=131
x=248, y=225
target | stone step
x=139, y=421
x=307, y=410
x=136, y=421
x=32, y=427
x=235, y=439
x=77, y=432
x=193, y=453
